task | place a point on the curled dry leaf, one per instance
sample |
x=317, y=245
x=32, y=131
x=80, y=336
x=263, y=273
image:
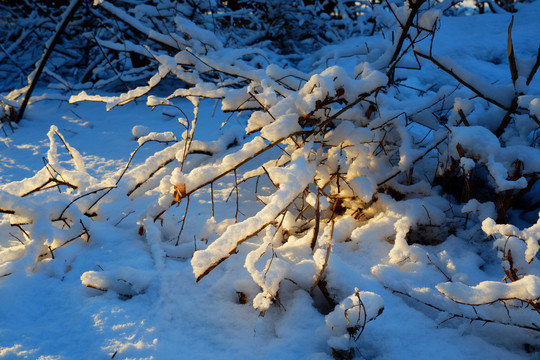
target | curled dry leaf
x=179, y=192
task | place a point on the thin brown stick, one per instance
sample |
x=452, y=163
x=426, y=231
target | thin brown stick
x=535, y=118
x=317, y=222
x=51, y=249
x=269, y=177
x=438, y=268
x=19, y=226
x=507, y=117
x=463, y=118
x=60, y=217
x=499, y=300
x=183, y=222
x=51, y=169
x=465, y=317
x=511, y=56
x=414, y=8
x=68, y=148
x=22, y=242
x=393, y=65
x=263, y=107
x=212, y=196
x=237, y=197
x=70, y=11
x=44, y=186
x=534, y=68
x=232, y=251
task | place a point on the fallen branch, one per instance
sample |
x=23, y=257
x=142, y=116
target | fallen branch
x=68, y=14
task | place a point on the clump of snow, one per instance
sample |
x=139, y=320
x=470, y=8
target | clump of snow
x=484, y=210
x=350, y=317
x=154, y=136
x=530, y=236
x=467, y=164
x=429, y=18
x=323, y=201
x=123, y=280
x=477, y=141
x=526, y=288
x=532, y=103
x=139, y=131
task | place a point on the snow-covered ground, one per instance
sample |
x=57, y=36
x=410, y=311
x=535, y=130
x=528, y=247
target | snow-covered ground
x=49, y=313
x=155, y=309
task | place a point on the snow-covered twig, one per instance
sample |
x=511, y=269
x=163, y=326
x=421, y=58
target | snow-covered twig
x=49, y=47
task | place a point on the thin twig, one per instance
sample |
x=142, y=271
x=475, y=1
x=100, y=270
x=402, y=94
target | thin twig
x=22, y=242
x=68, y=14
x=414, y=162
x=325, y=263
x=462, y=316
x=534, y=68
x=212, y=196
x=183, y=222
x=438, y=268
x=19, y=226
x=61, y=216
x=511, y=56
x=317, y=222
x=414, y=8
x=237, y=200
x=50, y=180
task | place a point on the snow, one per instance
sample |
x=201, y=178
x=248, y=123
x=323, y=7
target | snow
x=154, y=136
x=530, y=236
x=295, y=177
x=487, y=292
x=355, y=310
x=172, y=228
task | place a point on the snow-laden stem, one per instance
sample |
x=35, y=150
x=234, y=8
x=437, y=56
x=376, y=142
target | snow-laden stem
x=49, y=47
x=461, y=76
x=218, y=170
x=300, y=173
x=414, y=8
x=166, y=41
x=452, y=315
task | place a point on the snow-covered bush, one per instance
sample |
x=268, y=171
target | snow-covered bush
x=87, y=58
x=383, y=147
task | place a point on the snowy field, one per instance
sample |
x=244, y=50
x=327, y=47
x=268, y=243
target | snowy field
x=118, y=279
